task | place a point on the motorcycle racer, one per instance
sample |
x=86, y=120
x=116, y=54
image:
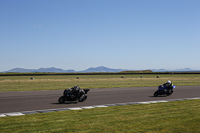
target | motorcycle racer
x=76, y=90
x=73, y=94
x=168, y=85
x=165, y=89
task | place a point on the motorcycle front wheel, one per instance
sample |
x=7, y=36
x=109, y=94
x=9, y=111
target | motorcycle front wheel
x=82, y=98
x=61, y=99
x=169, y=92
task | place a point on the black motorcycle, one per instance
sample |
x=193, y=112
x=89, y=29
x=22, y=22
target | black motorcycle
x=163, y=90
x=73, y=95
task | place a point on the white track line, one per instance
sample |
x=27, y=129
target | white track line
x=90, y=107
x=14, y=114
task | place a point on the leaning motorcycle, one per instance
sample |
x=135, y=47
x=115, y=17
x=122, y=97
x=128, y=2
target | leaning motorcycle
x=70, y=95
x=163, y=90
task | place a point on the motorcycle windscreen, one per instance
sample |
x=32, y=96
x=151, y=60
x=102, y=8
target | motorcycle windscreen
x=86, y=90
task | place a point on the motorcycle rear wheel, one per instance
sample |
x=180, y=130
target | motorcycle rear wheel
x=61, y=99
x=155, y=94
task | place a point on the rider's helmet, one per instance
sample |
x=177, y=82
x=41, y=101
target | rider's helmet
x=169, y=82
x=76, y=88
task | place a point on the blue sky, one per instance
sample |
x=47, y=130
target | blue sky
x=78, y=34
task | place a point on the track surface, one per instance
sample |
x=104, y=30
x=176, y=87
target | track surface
x=41, y=100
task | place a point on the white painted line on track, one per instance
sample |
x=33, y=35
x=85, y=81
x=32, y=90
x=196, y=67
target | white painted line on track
x=162, y=101
x=14, y=114
x=143, y=102
x=194, y=98
x=78, y=108
x=100, y=106
x=110, y=104
x=87, y=107
x=2, y=115
x=90, y=107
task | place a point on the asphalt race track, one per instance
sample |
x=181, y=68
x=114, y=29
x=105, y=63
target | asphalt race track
x=42, y=100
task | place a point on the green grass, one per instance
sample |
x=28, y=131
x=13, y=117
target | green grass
x=53, y=82
x=175, y=117
x=171, y=117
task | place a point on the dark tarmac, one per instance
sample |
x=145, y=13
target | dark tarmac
x=42, y=100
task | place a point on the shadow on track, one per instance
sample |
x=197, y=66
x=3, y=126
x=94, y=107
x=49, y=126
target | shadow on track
x=72, y=102
x=158, y=96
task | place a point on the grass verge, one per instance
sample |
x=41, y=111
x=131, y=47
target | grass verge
x=53, y=82
x=177, y=116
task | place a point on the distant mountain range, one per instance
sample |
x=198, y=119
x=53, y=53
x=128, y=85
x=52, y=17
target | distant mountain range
x=175, y=70
x=91, y=69
x=59, y=70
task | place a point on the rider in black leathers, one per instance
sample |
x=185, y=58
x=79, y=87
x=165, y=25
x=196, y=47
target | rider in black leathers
x=168, y=85
x=76, y=91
